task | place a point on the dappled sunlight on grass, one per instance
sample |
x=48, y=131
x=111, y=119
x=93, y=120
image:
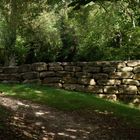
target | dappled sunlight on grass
x=68, y=100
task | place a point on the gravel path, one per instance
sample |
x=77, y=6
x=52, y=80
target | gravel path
x=30, y=121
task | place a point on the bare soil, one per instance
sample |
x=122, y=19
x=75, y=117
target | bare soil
x=31, y=121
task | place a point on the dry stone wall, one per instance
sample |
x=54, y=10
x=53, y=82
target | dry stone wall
x=110, y=79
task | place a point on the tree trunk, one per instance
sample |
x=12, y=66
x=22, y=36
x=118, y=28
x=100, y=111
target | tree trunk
x=10, y=38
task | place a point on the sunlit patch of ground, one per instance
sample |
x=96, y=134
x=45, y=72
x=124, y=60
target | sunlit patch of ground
x=31, y=121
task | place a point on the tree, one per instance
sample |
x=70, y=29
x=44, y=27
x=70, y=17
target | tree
x=15, y=13
x=100, y=30
x=78, y=3
x=111, y=31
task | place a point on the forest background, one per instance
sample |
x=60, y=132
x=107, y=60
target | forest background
x=66, y=30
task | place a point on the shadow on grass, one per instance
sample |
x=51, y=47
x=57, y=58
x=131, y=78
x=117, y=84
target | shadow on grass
x=71, y=101
x=30, y=121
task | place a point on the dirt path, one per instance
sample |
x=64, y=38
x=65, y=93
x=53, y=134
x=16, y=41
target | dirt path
x=30, y=121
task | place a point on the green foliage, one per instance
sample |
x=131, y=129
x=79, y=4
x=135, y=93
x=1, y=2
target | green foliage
x=43, y=36
x=52, y=31
x=108, y=34
x=16, y=13
x=69, y=41
x=20, y=50
x=76, y=4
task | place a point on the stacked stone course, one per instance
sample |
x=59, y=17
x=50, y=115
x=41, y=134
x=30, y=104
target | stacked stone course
x=111, y=79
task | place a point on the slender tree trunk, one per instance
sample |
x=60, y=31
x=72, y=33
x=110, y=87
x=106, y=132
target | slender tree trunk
x=10, y=39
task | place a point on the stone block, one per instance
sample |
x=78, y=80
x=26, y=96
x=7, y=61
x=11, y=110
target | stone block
x=105, y=63
x=118, y=64
x=95, y=89
x=126, y=69
x=111, y=89
x=92, y=82
x=137, y=76
x=10, y=77
x=133, y=63
x=109, y=69
x=25, y=68
x=64, y=74
x=138, y=89
x=127, y=75
x=93, y=64
x=83, y=75
x=83, y=64
x=1, y=69
x=131, y=99
x=40, y=66
x=69, y=86
x=112, y=97
x=109, y=82
x=121, y=75
x=47, y=74
x=127, y=89
x=130, y=82
x=121, y=65
x=56, y=68
x=76, y=87
x=10, y=70
x=92, y=69
x=69, y=80
x=51, y=80
x=30, y=75
x=56, y=85
x=100, y=76
x=68, y=63
x=80, y=88
x=137, y=69
x=10, y=82
x=136, y=101
x=36, y=81
x=54, y=64
x=86, y=81
x=72, y=68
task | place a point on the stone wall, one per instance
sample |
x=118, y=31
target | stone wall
x=110, y=79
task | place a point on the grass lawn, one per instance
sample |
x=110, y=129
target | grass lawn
x=70, y=101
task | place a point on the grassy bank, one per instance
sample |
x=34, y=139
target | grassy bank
x=69, y=101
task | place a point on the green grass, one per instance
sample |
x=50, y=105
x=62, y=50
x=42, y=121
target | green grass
x=70, y=101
